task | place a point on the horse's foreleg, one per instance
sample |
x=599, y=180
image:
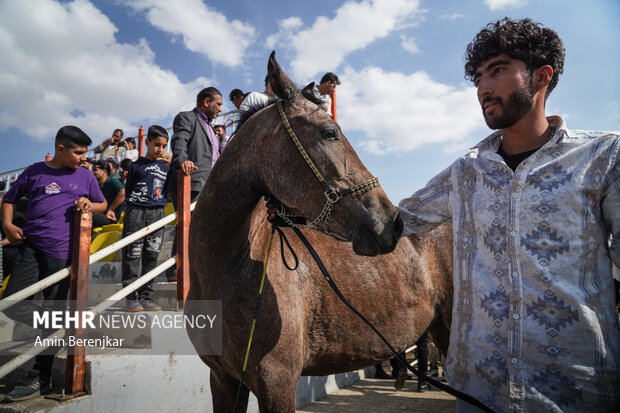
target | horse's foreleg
x=276, y=386
x=224, y=393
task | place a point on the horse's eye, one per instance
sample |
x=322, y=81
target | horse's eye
x=330, y=134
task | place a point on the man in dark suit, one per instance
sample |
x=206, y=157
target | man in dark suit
x=195, y=145
x=195, y=148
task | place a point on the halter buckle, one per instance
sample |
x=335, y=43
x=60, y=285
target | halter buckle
x=332, y=196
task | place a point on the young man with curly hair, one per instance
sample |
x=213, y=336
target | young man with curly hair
x=533, y=206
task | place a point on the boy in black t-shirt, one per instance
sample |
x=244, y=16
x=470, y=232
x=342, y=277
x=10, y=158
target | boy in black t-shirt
x=144, y=204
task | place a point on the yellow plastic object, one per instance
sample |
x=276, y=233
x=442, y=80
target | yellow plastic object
x=4, y=283
x=170, y=210
x=103, y=240
x=112, y=228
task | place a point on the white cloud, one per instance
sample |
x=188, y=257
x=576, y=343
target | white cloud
x=409, y=44
x=399, y=112
x=62, y=65
x=203, y=29
x=287, y=28
x=324, y=46
x=504, y=4
x=453, y=16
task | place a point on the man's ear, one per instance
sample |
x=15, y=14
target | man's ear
x=542, y=76
x=60, y=147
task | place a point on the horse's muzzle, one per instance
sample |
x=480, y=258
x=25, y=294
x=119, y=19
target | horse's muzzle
x=369, y=243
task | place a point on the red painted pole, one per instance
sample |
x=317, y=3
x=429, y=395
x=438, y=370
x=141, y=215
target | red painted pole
x=48, y=157
x=333, y=108
x=183, y=218
x=140, y=140
x=78, y=296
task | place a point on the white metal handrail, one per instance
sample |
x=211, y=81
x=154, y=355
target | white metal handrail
x=61, y=274
x=23, y=358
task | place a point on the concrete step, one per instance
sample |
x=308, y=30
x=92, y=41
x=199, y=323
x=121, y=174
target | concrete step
x=125, y=382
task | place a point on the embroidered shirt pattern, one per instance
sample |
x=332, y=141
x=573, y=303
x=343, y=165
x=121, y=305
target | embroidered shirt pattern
x=534, y=321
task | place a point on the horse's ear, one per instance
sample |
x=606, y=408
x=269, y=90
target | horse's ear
x=280, y=83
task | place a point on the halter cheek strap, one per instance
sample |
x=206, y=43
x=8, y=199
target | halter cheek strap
x=332, y=195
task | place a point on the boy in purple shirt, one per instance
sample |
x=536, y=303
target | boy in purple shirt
x=55, y=189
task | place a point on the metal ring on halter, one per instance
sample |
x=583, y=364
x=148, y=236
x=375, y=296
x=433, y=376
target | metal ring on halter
x=333, y=192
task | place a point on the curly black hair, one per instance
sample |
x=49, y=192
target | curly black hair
x=524, y=39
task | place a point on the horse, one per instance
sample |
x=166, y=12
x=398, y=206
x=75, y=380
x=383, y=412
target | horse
x=404, y=287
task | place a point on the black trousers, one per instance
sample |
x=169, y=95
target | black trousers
x=31, y=266
x=141, y=256
x=421, y=354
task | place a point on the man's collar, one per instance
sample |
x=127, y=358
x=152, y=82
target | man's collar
x=494, y=140
x=202, y=115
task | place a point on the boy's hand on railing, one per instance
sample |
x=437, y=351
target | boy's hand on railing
x=188, y=167
x=14, y=234
x=83, y=204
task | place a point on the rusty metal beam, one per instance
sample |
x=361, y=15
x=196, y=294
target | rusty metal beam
x=78, y=295
x=183, y=218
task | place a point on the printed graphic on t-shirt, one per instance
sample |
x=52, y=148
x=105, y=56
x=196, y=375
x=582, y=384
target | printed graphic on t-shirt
x=158, y=189
x=150, y=186
x=52, y=188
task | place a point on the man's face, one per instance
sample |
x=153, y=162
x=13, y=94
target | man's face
x=71, y=157
x=220, y=131
x=326, y=88
x=237, y=101
x=116, y=136
x=213, y=107
x=505, y=91
x=100, y=174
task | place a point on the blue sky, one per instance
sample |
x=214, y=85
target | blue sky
x=403, y=102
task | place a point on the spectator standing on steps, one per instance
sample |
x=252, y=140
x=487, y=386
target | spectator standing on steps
x=146, y=179
x=57, y=189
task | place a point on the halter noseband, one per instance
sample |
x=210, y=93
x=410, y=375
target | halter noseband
x=332, y=195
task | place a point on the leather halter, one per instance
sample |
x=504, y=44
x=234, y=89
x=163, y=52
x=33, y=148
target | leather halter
x=332, y=195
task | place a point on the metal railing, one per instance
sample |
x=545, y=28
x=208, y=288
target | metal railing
x=79, y=273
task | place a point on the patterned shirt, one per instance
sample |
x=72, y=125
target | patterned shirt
x=534, y=326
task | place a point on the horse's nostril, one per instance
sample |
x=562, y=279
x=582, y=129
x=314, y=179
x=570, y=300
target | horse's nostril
x=398, y=226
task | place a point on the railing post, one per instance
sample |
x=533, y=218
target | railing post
x=140, y=140
x=333, y=108
x=78, y=296
x=183, y=218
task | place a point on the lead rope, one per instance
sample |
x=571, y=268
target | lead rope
x=283, y=241
x=454, y=392
x=260, y=295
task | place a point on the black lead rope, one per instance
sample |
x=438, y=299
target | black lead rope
x=456, y=393
x=288, y=245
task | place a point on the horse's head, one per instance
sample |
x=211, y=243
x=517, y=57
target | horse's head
x=313, y=171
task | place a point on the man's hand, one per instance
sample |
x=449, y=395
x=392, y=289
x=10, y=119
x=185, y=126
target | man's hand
x=14, y=234
x=272, y=211
x=83, y=204
x=188, y=167
x=111, y=215
x=277, y=220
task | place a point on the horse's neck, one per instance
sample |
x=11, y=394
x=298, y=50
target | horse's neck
x=231, y=196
